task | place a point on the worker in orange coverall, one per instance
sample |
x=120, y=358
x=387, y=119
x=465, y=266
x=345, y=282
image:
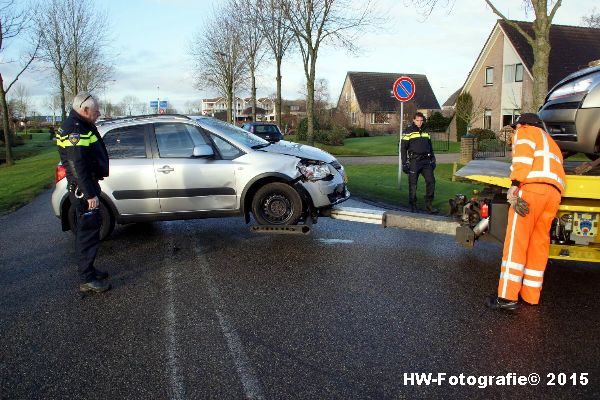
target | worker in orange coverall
x=538, y=182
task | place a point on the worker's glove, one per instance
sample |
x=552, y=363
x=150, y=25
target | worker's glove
x=521, y=207
x=406, y=168
x=512, y=194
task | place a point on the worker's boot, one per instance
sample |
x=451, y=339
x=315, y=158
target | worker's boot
x=430, y=209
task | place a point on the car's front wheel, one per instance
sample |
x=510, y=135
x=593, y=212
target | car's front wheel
x=277, y=204
x=108, y=221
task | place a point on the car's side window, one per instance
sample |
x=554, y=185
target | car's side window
x=227, y=150
x=177, y=140
x=126, y=142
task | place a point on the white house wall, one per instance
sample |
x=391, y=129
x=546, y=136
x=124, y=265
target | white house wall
x=512, y=92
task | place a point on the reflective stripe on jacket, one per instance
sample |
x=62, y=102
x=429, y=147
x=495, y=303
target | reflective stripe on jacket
x=536, y=158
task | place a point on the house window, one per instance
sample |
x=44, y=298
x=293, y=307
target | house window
x=489, y=76
x=380, y=118
x=487, y=119
x=353, y=117
x=294, y=108
x=513, y=73
x=519, y=73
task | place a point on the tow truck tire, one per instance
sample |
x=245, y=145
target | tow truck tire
x=276, y=204
x=108, y=221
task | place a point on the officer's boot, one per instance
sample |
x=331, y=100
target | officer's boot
x=430, y=209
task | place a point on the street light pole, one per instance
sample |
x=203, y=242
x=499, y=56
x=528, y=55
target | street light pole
x=157, y=99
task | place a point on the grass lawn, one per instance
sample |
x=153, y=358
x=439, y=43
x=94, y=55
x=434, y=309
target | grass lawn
x=370, y=146
x=39, y=142
x=380, y=183
x=21, y=182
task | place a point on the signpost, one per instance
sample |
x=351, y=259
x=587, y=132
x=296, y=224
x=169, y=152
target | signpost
x=404, y=89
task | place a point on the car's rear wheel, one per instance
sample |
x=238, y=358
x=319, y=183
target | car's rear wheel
x=108, y=221
x=277, y=204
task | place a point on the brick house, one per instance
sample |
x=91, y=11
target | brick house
x=367, y=100
x=501, y=82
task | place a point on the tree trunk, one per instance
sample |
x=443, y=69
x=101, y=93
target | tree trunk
x=253, y=95
x=63, y=106
x=278, y=99
x=541, y=58
x=310, y=107
x=5, y=126
x=230, y=101
x=310, y=100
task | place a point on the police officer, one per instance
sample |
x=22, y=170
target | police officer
x=84, y=156
x=418, y=159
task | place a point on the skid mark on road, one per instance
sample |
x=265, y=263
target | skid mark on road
x=173, y=369
x=250, y=383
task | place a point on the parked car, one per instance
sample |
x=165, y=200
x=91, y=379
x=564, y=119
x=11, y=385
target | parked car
x=572, y=112
x=265, y=130
x=173, y=167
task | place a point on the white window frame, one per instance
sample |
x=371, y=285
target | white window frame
x=491, y=82
x=516, y=72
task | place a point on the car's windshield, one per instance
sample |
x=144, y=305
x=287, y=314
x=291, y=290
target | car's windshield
x=234, y=132
x=266, y=129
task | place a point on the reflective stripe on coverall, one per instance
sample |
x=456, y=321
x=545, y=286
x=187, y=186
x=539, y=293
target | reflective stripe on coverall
x=537, y=165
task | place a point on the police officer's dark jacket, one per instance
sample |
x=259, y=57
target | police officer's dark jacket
x=416, y=143
x=83, y=153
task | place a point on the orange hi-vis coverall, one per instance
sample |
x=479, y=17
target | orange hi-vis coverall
x=537, y=166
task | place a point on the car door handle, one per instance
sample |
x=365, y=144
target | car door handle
x=166, y=169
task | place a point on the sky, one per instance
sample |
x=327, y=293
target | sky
x=150, y=41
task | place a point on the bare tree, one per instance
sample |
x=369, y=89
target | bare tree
x=22, y=102
x=14, y=24
x=316, y=22
x=54, y=43
x=73, y=41
x=86, y=31
x=252, y=38
x=539, y=42
x=592, y=20
x=129, y=104
x=218, y=61
x=278, y=35
x=53, y=103
x=193, y=107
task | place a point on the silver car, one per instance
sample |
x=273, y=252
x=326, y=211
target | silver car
x=572, y=112
x=176, y=167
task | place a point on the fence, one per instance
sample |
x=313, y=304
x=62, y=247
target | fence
x=440, y=141
x=487, y=148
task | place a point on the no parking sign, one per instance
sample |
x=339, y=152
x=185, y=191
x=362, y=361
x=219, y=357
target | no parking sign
x=404, y=88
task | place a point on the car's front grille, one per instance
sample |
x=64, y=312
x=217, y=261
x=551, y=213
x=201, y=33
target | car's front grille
x=572, y=105
x=564, y=131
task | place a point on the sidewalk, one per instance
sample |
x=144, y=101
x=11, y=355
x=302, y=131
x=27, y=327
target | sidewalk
x=443, y=158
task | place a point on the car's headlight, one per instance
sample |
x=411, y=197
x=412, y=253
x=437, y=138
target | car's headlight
x=314, y=170
x=578, y=86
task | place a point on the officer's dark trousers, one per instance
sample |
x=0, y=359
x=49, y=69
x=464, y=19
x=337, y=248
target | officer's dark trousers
x=421, y=167
x=87, y=238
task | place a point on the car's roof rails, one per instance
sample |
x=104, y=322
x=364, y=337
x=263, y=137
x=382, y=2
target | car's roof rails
x=138, y=117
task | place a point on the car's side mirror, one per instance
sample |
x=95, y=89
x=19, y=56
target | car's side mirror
x=203, y=151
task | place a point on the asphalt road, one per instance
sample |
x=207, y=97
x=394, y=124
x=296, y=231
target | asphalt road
x=208, y=310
